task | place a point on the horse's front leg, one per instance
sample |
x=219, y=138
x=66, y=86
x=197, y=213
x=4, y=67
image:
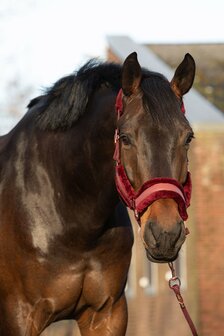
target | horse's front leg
x=110, y=320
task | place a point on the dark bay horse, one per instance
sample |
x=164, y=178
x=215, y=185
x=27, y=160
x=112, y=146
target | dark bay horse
x=65, y=238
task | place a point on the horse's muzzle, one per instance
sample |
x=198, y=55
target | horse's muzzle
x=161, y=245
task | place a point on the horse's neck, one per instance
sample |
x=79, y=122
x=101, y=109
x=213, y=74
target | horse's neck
x=4, y=139
x=88, y=147
x=63, y=179
x=82, y=157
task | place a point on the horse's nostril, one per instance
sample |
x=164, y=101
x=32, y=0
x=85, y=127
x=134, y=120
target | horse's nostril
x=182, y=234
x=178, y=228
x=149, y=237
x=176, y=234
x=156, y=230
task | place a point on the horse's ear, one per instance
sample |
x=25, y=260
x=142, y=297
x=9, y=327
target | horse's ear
x=184, y=76
x=131, y=75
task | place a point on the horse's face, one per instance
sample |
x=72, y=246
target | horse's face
x=154, y=141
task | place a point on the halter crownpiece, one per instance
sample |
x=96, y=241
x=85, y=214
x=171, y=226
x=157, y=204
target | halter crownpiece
x=152, y=190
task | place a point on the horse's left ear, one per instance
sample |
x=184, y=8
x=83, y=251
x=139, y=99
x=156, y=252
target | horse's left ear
x=184, y=76
x=131, y=75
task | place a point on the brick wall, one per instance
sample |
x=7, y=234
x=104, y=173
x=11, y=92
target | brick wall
x=208, y=168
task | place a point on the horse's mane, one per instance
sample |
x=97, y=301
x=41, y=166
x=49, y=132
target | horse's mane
x=65, y=102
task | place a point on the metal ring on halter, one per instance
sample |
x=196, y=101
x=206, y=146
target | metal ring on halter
x=174, y=282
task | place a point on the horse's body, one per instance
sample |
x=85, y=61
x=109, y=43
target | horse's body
x=65, y=240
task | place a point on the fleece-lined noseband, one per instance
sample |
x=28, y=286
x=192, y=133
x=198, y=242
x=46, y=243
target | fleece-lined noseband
x=152, y=190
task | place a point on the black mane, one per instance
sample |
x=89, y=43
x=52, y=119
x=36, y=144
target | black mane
x=66, y=101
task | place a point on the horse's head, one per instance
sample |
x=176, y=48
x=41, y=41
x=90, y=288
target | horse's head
x=154, y=138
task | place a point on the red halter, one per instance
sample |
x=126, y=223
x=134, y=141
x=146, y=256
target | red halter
x=151, y=190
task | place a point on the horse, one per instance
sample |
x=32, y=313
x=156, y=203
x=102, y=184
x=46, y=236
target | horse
x=65, y=234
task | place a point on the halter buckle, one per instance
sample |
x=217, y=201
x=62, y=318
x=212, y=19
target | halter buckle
x=174, y=282
x=116, y=136
x=136, y=214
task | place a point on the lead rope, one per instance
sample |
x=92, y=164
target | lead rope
x=174, y=284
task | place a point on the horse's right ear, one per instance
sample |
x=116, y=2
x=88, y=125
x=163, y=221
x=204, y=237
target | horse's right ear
x=131, y=75
x=184, y=76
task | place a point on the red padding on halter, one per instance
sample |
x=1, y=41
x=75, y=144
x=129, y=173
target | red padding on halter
x=119, y=104
x=124, y=187
x=188, y=189
x=182, y=108
x=152, y=190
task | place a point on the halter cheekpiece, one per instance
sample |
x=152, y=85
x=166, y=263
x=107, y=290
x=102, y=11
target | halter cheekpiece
x=151, y=190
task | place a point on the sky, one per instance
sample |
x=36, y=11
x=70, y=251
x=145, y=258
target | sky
x=43, y=40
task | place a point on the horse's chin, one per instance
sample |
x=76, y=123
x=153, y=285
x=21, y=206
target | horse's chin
x=160, y=260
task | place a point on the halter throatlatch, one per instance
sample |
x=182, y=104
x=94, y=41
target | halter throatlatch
x=152, y=190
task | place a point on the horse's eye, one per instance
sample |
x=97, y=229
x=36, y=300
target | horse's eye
x=125, y=139
x=188, y=139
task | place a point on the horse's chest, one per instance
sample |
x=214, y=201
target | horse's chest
x=99, y=277
x=106, y=276
x=65, y=290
